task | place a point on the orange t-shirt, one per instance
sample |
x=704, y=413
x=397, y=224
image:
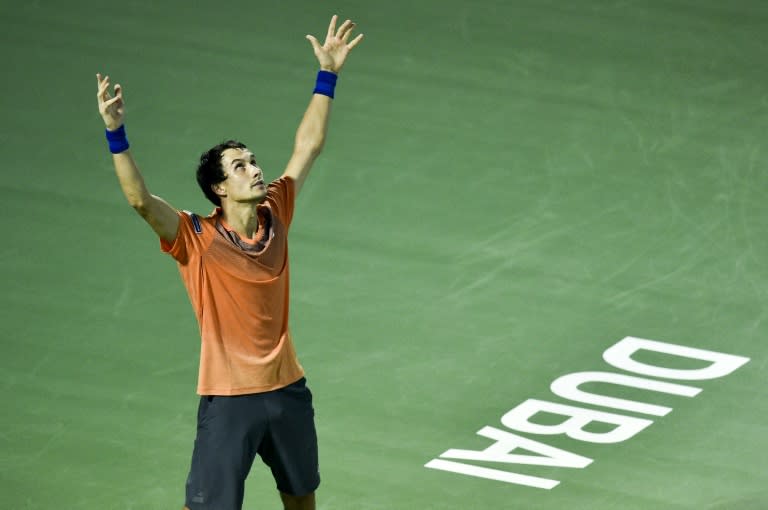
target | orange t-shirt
x=239, y=291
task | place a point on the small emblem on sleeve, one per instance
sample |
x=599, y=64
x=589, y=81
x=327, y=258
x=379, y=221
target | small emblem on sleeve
x=195, y=222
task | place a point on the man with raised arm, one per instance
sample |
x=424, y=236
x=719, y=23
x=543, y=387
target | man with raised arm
x=234, y=264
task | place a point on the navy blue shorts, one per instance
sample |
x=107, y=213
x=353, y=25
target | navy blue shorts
x=278, y=425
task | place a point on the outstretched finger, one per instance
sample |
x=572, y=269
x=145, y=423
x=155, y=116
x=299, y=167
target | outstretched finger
x=332, y=27
x=344, y=28
x=355, y=41
x=315, y=44
x=348, y=32
x=116, y=99
x=103, y=92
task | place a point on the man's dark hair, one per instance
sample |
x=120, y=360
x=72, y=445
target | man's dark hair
x=210, y=172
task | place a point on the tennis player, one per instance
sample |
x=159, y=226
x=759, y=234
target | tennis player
x=234, y=264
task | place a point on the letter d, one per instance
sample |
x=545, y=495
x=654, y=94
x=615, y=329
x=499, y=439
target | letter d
x=720, y=364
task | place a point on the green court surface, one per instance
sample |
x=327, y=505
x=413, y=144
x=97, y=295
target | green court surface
x=509, y=189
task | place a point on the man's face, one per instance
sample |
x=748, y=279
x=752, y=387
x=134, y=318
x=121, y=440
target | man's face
x=244, y=179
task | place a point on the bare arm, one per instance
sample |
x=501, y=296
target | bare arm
x=310, y=136
x=163, y=218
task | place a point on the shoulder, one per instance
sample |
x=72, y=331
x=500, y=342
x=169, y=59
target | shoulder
x=281, y=193
x=282, y=185
x=194, y=221
x=200, y=224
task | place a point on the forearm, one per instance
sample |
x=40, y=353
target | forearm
x=131, y=180
x=311, y=134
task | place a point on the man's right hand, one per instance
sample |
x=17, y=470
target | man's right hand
x=112, y=109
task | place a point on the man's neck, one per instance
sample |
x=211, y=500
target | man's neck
x=242, y=217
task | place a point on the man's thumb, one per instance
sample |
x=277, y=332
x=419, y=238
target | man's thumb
x=313, y=41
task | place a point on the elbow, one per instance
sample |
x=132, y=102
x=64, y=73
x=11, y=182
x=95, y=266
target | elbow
x=311, y=148
x=139, y=204
x=139, y=207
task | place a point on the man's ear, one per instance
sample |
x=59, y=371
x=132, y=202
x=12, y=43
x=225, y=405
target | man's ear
x=219, y=188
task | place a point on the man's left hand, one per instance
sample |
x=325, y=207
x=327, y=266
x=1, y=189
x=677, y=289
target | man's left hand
x=332, y=54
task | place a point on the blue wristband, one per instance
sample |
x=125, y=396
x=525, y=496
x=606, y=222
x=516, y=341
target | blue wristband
x=117, y=140
x=326, y=83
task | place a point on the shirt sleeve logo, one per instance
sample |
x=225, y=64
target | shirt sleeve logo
x=195, y=222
